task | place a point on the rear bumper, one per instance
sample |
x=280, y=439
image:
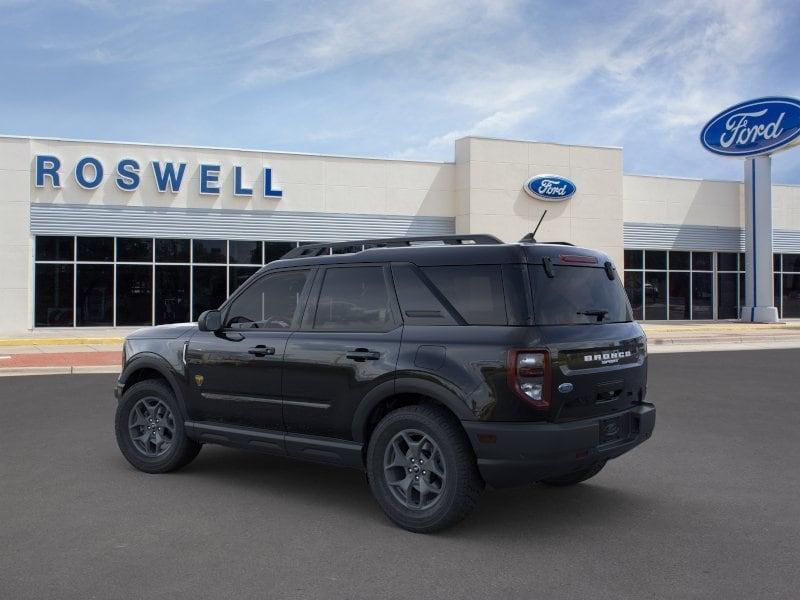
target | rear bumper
x=512, y=454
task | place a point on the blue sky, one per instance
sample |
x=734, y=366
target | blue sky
x=399, y=79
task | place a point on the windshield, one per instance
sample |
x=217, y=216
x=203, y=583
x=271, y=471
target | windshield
x=577, y=295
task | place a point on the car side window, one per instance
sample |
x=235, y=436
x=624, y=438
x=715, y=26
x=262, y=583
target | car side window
x=269, y=303
x=354, y=299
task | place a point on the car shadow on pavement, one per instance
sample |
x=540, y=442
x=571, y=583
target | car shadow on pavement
x=512, y=512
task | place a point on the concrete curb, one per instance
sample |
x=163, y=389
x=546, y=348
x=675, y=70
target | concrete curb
x=76, y=370
x=85, y=341
x=728, y=339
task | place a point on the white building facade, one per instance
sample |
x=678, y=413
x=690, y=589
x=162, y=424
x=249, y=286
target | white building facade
x=100, y=234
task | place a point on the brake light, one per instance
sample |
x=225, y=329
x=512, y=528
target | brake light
x=529, y=376
x=578, y=259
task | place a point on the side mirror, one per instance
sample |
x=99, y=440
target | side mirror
x=210, y=320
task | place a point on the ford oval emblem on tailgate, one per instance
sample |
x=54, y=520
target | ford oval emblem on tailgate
x=565, y=388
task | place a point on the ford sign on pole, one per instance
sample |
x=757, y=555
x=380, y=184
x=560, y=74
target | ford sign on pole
x=550, y=187
x=752, y=128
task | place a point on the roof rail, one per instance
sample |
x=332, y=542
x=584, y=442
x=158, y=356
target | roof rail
x=309, y=250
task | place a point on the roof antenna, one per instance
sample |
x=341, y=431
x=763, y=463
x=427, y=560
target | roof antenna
x=531, y=237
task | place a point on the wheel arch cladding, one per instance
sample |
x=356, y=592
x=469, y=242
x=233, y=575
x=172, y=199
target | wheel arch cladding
x=387, y=397
x=142, y=368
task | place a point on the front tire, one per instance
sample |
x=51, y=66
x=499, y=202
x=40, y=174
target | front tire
x=422, y=470
x=150, y=430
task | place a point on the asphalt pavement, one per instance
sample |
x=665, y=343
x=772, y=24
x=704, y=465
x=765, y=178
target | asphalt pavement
x=708, y=508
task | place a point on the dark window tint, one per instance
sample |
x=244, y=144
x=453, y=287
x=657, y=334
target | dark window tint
x=209, y=289
x=134, y=249
x=776, y=262
x=271, y=302
x=702, y=295
x=655, y=296
x=727, y=296
x=238, y=275
x=701, y=261
x=791, y=296
x=475, y=291
x=655, y=259
x=210, y=251
x=777, y=295
x=679, y=296
x=172, y=294
x=633, y=259
x=172, y=250
x=791, y=263
x=50, y=247
x=96, y=249
x=679, y=261
x=741, y=289
x=727, y=261
x=95, y=297
x=418, y=303
x=633, y=287
x=274, y=250
x=134, y=294
x=53, y=295
x=245, y=253
x=354, y=299
x=577, y=295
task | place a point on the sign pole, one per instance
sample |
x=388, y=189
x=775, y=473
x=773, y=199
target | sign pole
x=758, y=279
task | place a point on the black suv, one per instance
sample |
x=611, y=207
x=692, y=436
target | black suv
x=435, y=366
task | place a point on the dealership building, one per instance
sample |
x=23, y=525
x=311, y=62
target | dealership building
x=107, y=234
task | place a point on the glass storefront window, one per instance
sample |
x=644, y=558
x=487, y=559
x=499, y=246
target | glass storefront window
x=701, y=261
x=791, y=296
x=655, y=259
x=172, y=293
x=727, y=294
x=791, y=263
x=727, y=261
x=134, y=250
x=134, y=294
x=53, y=295
x=54, y=247
x=95, y=249
x=209, y=289
x=209, y=251
x=633, y=287
x=244, y=253
x=655, y=296
x=172, y=251
x=274, y=250
x=94, y=295
x=702, y=296
x=633, y=259
x=679, y=261
x=679, y=296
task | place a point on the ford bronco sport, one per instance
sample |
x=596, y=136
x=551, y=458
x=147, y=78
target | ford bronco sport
x=435, y=366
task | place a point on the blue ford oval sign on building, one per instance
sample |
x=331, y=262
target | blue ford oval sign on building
x=550, y=187
x=753, y=128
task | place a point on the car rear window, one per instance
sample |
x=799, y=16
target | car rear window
x=475, y=291
x=577, y=295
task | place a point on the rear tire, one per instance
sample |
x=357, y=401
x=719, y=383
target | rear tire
x=150, y=429
x=422, y=470
x=575, y=477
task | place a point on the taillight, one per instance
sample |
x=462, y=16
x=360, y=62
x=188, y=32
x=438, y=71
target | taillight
x=529, y=376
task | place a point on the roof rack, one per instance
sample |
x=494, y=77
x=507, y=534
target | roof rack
x=309, y=250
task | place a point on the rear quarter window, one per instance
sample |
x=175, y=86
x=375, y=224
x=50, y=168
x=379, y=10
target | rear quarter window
x=475, y=291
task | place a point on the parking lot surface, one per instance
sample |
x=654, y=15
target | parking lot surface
x=708, y=508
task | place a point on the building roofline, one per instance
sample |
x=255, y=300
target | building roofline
x=227, y=149
x=496, y=139
x=736, y=181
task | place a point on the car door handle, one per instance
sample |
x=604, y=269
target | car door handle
x=261, y=350
x=362, y=354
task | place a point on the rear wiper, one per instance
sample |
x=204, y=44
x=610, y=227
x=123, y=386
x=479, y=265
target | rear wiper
x=600, y=313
